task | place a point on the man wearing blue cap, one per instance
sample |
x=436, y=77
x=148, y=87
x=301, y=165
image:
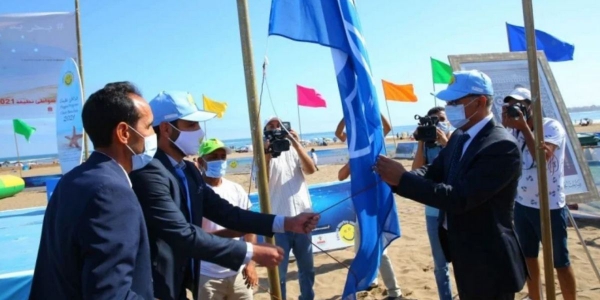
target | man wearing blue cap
x=473, y=182
x=175, y=198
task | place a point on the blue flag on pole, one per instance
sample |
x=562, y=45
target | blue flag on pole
x=555, y=49
x=335, y=24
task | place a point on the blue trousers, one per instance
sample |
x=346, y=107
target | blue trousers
x=441, y=267
x=301, y=245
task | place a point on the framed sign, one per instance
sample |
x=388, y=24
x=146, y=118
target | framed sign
x=508, y=70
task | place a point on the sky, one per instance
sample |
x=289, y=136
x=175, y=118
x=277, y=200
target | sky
x=194, y=46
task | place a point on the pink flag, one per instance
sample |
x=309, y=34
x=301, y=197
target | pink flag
x=309, y=97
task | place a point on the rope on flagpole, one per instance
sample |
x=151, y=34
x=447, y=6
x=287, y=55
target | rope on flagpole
x=262, y=85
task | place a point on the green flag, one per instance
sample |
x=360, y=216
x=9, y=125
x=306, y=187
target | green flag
x=442, y=72
x=22, y=128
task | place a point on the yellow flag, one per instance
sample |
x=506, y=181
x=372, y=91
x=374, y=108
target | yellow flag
x=399, y=92
x=213, y=106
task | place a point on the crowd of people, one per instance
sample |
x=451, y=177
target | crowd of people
x=138, y=221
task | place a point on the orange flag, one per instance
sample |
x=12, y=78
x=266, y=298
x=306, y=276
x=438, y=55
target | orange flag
x=399, y=92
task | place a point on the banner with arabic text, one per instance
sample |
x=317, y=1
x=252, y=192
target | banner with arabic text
x=33, y=48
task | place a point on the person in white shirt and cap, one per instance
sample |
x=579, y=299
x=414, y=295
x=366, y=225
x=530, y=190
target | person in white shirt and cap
x=517, y=115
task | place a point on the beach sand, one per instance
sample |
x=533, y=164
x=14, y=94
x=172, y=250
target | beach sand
x=411, y=255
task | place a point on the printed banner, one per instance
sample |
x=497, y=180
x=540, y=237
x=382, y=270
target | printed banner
x=69, y=126
x=336, y=227
x=33, y=48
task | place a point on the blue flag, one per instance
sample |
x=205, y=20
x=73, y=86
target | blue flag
x=335, y=24
x=555, y=49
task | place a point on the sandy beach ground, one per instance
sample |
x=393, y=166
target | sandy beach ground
x=411, y=254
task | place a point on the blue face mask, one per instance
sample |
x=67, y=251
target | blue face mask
x=444, y=127
x=216, y=168
x=140, y=160
x=456, y=114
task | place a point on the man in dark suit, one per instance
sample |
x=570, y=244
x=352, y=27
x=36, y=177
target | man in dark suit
x=94, y=243
x=473, y=183
x=174, y=198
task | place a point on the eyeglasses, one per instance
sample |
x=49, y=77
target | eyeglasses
x=456, y=102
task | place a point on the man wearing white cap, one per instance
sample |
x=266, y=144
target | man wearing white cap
x=290, y=197
x=175, y=198
x=517, y=115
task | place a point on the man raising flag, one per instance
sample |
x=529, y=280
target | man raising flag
x=335, y=24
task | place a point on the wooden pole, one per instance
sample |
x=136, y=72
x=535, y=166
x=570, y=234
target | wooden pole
x=18, y=156
x=80, y=66
x=540, y=155
x=257, y=142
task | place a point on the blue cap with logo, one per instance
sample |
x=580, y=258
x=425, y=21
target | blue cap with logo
x=465, y=83
x=176, y=105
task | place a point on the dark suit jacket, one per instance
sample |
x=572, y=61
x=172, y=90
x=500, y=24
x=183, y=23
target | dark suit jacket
x=480, y=240
x=94, y=243
x=173, y=240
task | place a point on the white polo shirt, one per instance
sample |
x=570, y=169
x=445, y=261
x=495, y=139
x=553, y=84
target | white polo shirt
x=237, y=196
x=527, y=192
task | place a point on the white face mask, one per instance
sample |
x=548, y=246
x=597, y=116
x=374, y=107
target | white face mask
x=215, y=168
x=444, y=127
x=140, y=160
x=456, y=115
x=188, y=141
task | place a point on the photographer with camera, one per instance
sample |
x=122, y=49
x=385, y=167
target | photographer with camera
x=286, y=167
x=429, y=146
x=517, y=115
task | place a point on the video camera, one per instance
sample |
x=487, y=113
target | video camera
x=277, y=138
x=512, y=111
x=427, y=129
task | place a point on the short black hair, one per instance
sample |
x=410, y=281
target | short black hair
x=435, y=110
x=106, y=108
x=157, y=128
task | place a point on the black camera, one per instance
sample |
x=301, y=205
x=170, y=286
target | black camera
x=278, y=141
x=427, y=129
x=512, y=111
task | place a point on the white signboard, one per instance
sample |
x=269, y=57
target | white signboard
x=69, y=126
x=509, y=70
